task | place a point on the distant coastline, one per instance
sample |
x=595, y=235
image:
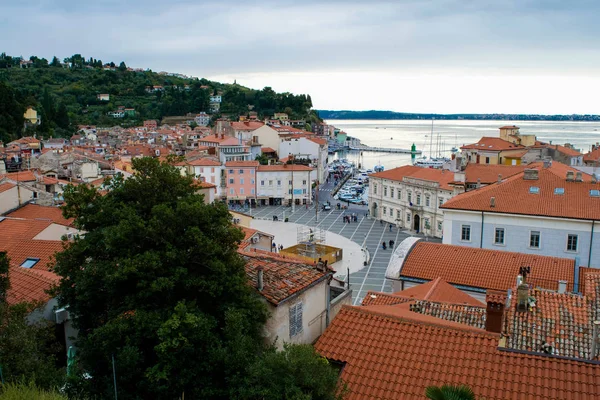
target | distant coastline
x=387, y=115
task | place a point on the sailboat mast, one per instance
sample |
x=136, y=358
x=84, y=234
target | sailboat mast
x=431, y=141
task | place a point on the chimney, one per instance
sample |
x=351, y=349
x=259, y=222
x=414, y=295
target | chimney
x=578, y=177
x=495, y=301
x=492, y=202
x=530, y=175
x=570, y=176
x=547, y=163
x=478, y=185
x=499, y=178
x=260, y=279
x=522, y=297
x=562, y=287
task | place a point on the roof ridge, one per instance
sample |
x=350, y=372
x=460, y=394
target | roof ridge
x=433, y=288
x=452, y=325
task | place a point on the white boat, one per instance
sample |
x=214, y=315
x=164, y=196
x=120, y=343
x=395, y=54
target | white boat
x=430, y=162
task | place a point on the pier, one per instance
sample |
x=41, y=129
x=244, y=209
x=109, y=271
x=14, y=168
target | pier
x=384, y=149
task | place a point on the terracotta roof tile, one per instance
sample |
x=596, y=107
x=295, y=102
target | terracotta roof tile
x=284, y=167
x=20, y=250
x=592, y=156
x=282, y=278
x=576, y=202
x=427, y=174
x=28, y=285
x=483, y=268
x=396, y=355
x=267, y=150
x=441, y=291
x=6, y=186
x=488, y=173
x=204, y=162
x=34, y=211
x=242, y=164
x=492, y=144
x=246, y=125
x=17, y=229
x=21, y=176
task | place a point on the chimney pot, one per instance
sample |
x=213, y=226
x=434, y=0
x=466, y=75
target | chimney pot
x=492, y=202
x=499, y=178
x=596, y=326
x=522, y=297
x=478, y=185
x=570, y=176
x=530, y=175
x=495, y=301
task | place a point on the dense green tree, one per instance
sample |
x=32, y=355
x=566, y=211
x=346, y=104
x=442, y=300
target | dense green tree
x=11, y=114
x=162, y=288
x=62, y=117
x=122, y=66
x=262, y=159
x=297, y=372
x=48, y=105
x=449, y=392
x=21, y=391
x=4, y=282
x=55, y=62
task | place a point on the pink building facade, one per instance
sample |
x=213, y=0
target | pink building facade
x=241, y=181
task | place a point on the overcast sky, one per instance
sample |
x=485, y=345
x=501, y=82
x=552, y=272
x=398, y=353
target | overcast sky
x=444, y=56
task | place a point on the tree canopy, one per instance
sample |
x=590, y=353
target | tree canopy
x=157, y=282
x=449, y=392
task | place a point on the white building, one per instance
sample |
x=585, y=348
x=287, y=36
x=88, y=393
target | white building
x=316, y=149
x=274, y=184
x=208, y=169
x=202, y=119
x=410, y=197
x=547, y=210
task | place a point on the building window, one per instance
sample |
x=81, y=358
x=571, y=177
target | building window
x=427, y=223
x=304, y=182
x=487, y=160
x=440, y=201
x=534, y=239
x=407, y=217
x=230, y=191
x=391, y=212
x=303, y=191
x=499, y=236
x=290, y=182
x=418, y=199
x=385, y=191
x=30, y=262
x=270, y=183
x=231, y=171
x=241, y=190
x=465, y=234
x=374, y=188
x=241, y=171
x=289, y=191
x=252, y=181
x=212, y=170
x=230, y=180
x=398, y=214
x=384, y=210
x=296, y=319
x=427, y=202
x=440, y=225
x=262, y=183
x=399, y=194
x=252, y=191
x=571, y=242
x=241, y=181
x=278, y=183
x=251, y=172
x=410, y=197
x=392, y=193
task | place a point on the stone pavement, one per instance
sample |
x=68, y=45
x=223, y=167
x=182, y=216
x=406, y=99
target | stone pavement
x=368, y=233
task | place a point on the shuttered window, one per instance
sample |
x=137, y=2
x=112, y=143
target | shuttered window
x=296, y=319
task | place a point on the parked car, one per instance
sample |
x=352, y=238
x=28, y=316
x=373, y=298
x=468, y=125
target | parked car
x=326, y=207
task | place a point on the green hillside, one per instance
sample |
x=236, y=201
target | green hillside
x=65, y=95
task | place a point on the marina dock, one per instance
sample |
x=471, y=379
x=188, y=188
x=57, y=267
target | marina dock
x=383, y=149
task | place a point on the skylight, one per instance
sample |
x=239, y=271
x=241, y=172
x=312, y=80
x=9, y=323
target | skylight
x=534, y=189
x=559, y=190
x=30, y=262
x=595, y=193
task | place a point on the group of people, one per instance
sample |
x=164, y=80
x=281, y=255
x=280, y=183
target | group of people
x=350, y=218
x=276, y=248
x=391, y=243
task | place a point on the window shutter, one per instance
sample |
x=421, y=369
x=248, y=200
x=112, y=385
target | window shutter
x=295, y=319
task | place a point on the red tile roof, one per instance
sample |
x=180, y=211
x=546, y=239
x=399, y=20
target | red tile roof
x=284, y=167
x=21, y=176
x=488, y=173
x=319, y=141
x=509, y=127
x=6, y=186
x=28, y=285
x=267, y=150
x=34, y=211
x=492, y=144
x=204, y=162
x=565, y=150
x=17, y=229
x=21, y=250
x=410, y=171
x=246, y=125
x=592, y=156
x=281, y=278
x=441, y=291
x=242, y=164
x=393, y=353
x=483, y=268
x=576, y=201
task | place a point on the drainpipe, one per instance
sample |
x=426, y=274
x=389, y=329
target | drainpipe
x=481, y=238
x=591, y=243
x=328, y=301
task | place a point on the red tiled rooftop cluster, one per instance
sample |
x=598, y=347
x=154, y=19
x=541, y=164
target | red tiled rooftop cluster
x=427, y=174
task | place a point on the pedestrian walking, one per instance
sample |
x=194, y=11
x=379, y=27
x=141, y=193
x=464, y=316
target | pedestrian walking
x=380, y=222
x=383, y=245
x=391, y=244
x=280, y=247
x=391, y=227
